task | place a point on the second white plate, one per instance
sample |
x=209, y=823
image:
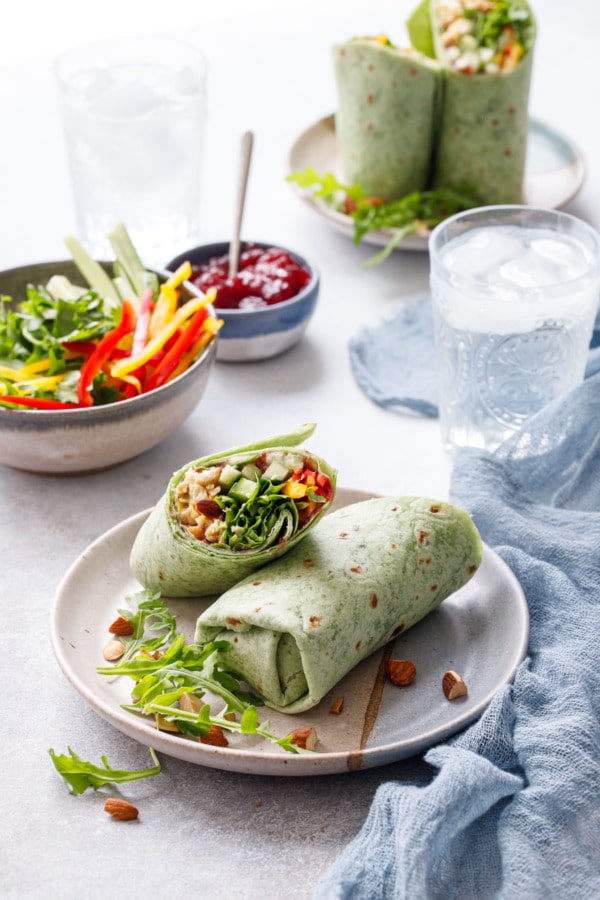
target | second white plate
x=555, y=172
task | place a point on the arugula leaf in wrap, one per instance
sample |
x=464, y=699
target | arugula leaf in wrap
x=226, y=515
x=387, y=108
x=365, y=574
x=485, y=49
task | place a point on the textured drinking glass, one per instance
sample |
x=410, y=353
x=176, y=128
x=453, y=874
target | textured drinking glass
x=515, y=294
x=134, y=111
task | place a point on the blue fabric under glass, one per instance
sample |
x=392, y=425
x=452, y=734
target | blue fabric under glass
x=513, y=807
x=395, y=362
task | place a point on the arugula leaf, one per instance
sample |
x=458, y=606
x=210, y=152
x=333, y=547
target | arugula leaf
x=81, y=775
x=489, y=24
x=160, y=680
x=420, y=30
x=151, y=615
x=326, y=187
x=416, y=213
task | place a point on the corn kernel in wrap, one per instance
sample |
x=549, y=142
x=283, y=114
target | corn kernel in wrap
x=365, y=574
x=226, y=515
x=387, y=108
x=482, y=141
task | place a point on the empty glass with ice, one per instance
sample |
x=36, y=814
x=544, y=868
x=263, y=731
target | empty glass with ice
x=515, y=294
x=134, y=111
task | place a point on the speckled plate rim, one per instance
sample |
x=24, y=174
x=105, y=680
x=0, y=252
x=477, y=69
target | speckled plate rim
x=99, y=580
x=555, y=173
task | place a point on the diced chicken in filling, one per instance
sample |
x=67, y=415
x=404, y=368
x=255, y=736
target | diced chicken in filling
x=484, y=35
x=241, y=504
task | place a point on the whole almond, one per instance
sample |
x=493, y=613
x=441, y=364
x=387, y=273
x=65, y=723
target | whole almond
x=120, y=809
x=400, y=671
x=121, y=626
x=453, y=685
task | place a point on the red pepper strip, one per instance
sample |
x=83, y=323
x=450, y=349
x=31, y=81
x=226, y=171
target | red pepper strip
x=129, y=391
x=37, y=402
x=191, y=355
x=118, y=353
x=102, y=354
x=81, y=347
x=185, y=340
x=143, y=323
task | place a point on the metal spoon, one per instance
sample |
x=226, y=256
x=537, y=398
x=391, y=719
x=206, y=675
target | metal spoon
x=246, y=155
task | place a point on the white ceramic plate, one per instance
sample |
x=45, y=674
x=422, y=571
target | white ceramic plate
x=481, y=632
x=555, y=172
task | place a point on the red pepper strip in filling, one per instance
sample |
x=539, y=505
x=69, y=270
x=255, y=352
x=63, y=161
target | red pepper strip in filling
x=102, y=353
x=318, y=481
x=185, y=340
x=37, y=402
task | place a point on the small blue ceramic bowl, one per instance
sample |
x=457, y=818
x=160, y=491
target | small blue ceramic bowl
x=252, y=334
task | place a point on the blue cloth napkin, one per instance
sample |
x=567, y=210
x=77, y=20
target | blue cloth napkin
x=395, y=362
x=512, y=809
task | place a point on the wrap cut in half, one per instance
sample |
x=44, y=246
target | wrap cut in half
x=387, y=108
x=226, y=515
x=485, y=49
x=365, y=574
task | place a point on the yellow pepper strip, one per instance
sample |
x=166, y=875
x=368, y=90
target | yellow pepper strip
x=42, y=365
x=180, y=274
x=26, y=372
x=164, y=309
x=44, y=384
x=294, y=489
x=211, y=327
x=129, y=364
x=9, y=374
x=167, y=299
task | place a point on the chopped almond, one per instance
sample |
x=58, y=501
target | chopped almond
x=453, y=685
x=337, y=706
x=401, y=671
x=305, y=738
x=214, y=736
x=113, y=651
x=121, y=626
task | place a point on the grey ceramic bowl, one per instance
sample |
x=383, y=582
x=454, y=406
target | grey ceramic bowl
x=85, y=440
x=249, y=335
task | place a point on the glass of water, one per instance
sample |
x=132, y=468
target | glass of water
x=515, y=293
x=134, y=112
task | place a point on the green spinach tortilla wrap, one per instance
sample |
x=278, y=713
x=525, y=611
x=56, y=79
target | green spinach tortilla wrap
x=387, y=108
x=223, y=516
x=365, y=574
x=485, y=48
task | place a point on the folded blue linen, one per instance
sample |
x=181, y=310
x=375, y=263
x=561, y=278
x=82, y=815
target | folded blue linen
x=395, y=362
x=513, y=808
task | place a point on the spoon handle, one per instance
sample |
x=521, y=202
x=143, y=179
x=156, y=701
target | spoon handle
x=246, y=155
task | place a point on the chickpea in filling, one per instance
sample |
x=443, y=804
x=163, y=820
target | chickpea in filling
x=204, y=495
x=483, y=35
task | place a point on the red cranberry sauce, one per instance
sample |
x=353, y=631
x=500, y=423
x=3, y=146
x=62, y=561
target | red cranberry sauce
x=265, y=277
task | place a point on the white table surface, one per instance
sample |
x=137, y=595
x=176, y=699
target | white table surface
x=217, y=834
